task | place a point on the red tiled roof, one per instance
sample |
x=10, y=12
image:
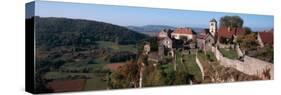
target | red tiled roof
x=266, y=37
x=183, y=31
x=228, y=33
x=67, y=85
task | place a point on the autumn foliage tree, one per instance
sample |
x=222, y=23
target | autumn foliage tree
x=247, y=42
x=126, y=76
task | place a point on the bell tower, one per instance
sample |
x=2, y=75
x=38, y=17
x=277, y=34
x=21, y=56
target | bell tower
x=213, y=27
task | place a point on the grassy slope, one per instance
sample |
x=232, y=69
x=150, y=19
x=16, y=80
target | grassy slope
x=116, y=47
x=192, y=67
x=189, y=65
x=232, y=54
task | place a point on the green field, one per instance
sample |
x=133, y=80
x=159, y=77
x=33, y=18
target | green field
x=229, y=53
x=95, y=78
x=209, y=56
x=116, y=47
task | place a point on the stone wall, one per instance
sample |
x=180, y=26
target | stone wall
x=250, y=65
x=238, y=50
x=200, y=66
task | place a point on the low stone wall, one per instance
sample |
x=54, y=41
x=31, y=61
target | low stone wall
x=257, y=66
x=238, y=50
x=250, y=66
x=200, y=66
x=217, y=53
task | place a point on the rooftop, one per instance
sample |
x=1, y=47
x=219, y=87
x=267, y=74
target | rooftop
x=266, y=37
x=228, y=33
x=183, y=31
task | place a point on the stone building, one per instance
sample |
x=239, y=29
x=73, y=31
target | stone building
x=164, y=34
x=213, y=27
x=166, y=42
x=206, y=39
x=183, y=33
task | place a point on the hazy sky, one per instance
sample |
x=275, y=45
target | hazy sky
x=137, y=16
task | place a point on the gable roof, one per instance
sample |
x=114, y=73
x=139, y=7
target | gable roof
x=204, y=34
x=183, y=31
x=266, y=37
x=229, y=33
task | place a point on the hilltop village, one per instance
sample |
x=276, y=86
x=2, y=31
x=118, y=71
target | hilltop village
x=186, y=39
x=215, y=46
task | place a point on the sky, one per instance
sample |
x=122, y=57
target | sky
x=138, y=16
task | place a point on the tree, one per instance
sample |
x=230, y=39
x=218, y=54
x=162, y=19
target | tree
x=266, y=53
x=153, y=78
x=182, y=77
x=247, y=42
x=231, y=22
x=126, y=76
x=248, y=30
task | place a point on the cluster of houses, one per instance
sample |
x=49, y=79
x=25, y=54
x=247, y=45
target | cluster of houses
x=171, y=40
x=186, y=39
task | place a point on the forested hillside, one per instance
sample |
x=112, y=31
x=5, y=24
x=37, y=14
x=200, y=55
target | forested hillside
x=64, y=31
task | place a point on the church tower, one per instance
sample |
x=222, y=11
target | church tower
x=213, y=27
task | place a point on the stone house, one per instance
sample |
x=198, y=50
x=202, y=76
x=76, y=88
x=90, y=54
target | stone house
x=205, y=40
x=166, y=42
x=183, y=33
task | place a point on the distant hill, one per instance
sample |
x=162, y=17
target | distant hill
x=150, y=28
x=197, y=29
x=64, y=31
x=259, y=29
